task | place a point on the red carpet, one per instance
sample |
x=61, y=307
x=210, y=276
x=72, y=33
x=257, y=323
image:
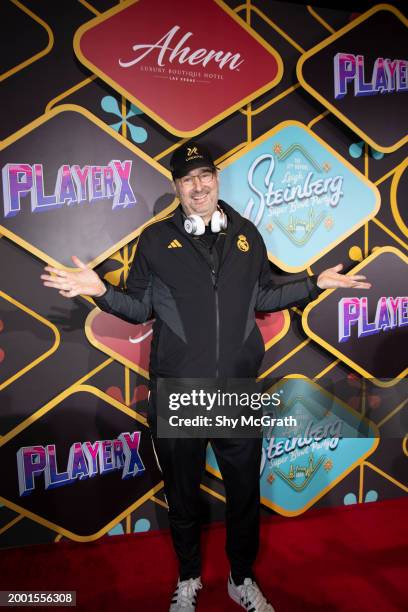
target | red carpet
x=347, y=559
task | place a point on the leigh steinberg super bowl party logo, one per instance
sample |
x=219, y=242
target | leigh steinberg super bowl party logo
x=300, y=464
x=186, y=64
x=299, y=192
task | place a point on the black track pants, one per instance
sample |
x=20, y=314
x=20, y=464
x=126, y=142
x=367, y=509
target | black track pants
x=182, y=462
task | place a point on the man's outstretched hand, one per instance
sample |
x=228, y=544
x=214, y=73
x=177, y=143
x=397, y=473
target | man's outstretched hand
x=331, y=279
x=70, y=284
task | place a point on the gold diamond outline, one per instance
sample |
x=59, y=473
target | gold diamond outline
x=49, y=524
x=108, y=351
x=393, y=197
x=331, y=349
x=289, y=123
x=360, y=461
x=133, y=149
x=313, y=92
x=43, y=356
x=39, y=54
x=211, y=122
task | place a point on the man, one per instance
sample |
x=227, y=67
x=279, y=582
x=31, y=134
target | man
x=203, y=271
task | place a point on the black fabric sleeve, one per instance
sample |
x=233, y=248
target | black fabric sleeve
x=272, y=297
x=135, y=303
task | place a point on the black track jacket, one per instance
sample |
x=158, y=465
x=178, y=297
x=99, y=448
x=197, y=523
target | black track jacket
x=204, y=318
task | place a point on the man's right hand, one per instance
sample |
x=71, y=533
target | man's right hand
x=71, y=284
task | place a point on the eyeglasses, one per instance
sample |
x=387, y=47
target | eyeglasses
x=205, y=178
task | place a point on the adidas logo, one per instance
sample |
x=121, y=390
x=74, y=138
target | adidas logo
x=174, y=244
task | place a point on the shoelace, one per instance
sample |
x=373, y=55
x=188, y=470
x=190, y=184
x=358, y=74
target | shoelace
x=186, y=591
x=250, y=593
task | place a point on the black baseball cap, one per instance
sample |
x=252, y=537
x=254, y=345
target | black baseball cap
x=189, y=156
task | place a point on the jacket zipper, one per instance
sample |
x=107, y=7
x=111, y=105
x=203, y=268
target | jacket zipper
x=214, y=280
x=217, y=322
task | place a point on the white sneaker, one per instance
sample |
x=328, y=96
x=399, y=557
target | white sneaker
x=249, y=596
x=185, y=596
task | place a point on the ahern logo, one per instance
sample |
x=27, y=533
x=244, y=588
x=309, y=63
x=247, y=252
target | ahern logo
x=161, y=50
x=169, y=57
x=73, y=185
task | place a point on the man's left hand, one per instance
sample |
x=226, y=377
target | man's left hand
x=331, y=279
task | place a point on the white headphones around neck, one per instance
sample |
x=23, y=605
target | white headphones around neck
x=194, y=224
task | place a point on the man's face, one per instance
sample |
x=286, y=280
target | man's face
x=198, y=192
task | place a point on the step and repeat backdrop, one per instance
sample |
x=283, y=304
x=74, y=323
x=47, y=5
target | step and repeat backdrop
x=305, y=110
